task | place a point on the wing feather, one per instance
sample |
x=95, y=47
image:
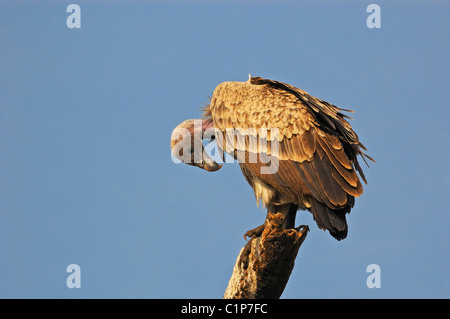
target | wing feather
x=340, y=163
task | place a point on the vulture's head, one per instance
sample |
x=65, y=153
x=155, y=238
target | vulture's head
x=186, y=144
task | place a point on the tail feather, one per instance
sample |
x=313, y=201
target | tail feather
x=332, y=220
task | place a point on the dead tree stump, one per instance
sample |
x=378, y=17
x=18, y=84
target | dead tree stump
x=264, y=265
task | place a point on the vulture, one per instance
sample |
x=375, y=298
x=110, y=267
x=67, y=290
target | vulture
x=295, y=150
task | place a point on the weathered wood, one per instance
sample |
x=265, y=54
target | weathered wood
x=264, y=265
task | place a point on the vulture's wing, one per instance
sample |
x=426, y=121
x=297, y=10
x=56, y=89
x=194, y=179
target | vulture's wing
x=317, y=147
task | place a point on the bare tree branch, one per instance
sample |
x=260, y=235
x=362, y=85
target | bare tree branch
x=264, y=265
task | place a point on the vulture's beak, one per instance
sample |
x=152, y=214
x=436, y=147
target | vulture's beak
x=210, y=167
x=187, y=146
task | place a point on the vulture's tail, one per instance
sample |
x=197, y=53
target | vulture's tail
x=331, y=219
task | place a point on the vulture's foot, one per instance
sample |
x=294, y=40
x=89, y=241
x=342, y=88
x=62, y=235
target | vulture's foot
x=254, y=232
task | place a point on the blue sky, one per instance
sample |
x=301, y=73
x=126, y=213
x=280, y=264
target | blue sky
x=86, y=175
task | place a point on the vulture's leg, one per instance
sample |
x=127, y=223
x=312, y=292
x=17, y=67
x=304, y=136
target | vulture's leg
x=287, y=210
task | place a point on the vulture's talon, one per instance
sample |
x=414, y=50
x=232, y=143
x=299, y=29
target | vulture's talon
x=254, y=232
x=302, y=228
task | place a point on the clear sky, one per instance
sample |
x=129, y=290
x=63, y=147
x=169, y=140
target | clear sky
x=86, y=114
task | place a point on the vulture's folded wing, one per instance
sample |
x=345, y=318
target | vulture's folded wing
x=316, y=147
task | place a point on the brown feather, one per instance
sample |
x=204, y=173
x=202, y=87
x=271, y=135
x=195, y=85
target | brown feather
x=336, y=195
x=339, y=159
